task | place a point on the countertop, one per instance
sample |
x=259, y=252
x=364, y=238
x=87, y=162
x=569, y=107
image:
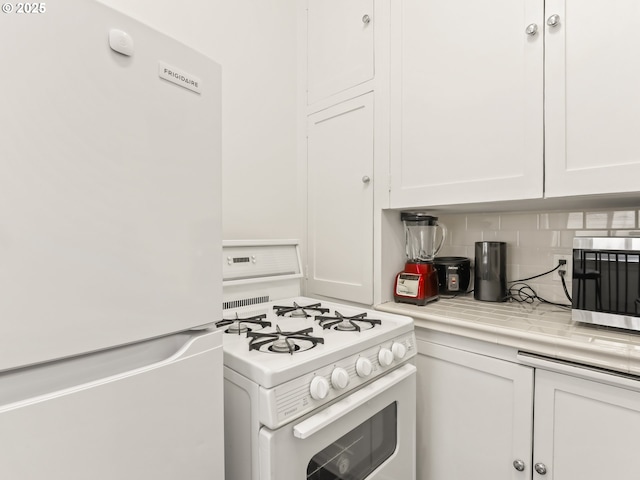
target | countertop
x=538, y=328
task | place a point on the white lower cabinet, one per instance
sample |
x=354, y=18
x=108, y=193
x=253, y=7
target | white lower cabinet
x=585, y=430
x=476, y=416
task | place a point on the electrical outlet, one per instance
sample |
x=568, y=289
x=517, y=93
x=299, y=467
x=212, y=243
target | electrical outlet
x=567, y=267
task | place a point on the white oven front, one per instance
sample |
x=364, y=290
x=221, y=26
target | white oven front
x=369, y=434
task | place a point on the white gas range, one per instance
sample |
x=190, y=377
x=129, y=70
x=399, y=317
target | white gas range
x=313, y=388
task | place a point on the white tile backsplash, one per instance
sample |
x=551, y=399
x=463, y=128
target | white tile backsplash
x=525, y=221
x=534, y=238
x=612, y=219
x=623, y=220
x=598, y=219
x=561, y=221
x=483, y=222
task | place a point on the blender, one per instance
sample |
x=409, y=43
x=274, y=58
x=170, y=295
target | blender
x=418, y=282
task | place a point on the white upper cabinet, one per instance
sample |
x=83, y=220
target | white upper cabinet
x=339, y=46
x=592, y=97
x=466, y=101
x=340, y=201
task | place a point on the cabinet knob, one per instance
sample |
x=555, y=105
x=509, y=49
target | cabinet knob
x=532, y=29
x=518, y=465
x=553, y=20
x=541, y=468
x=366, y=19
x=366, y=179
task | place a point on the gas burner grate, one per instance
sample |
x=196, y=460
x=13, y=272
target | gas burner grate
x=283, y=342
x=298, y=310
x=243, y=325
x=347, y=324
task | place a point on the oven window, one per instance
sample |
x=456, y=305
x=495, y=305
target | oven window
x=358, y=453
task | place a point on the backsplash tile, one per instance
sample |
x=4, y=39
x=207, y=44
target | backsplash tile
x=598, y=219
x=525, y=221
x=483, y=222
x=539, y=239
x=623, y=220
x=614, y=219
x=561, y=221
x=509, y=236
x=534, y=238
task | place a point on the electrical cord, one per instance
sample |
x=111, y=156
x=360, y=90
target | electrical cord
x=524, y=293
x=537, y=276
x=564, y=284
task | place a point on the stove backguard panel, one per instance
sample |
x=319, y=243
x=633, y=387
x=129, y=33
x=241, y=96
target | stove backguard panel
x=259, y=271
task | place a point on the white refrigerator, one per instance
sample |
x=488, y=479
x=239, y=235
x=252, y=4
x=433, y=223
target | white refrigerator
x=110, y=247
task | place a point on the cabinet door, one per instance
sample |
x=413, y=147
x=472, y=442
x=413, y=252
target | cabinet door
x=592, y=99
x=340, y=196
x=339, y=46
x=585, y=430
x=466, y=101
x=474, y=416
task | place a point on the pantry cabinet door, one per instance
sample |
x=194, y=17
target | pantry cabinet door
x=592, y=98
x=339, y=46
x=466, y=101
x=585, y=430
x=474, y=414
x=340, y=201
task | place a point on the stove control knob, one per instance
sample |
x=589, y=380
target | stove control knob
x=385, y=357
x=339, y=378
x=399, y=350
x=363, y=367
x=319, y=388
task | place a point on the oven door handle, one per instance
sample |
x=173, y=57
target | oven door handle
x=341, y=408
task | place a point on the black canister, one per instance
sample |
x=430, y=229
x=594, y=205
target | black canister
x=490, y=278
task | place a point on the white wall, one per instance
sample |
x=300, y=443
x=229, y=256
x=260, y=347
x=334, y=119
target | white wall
x=255, y=42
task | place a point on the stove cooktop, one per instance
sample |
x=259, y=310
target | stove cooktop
x=271, y=345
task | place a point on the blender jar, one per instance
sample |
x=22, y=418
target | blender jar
x=421, y=232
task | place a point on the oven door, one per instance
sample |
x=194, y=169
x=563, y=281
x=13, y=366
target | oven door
x=369, y=434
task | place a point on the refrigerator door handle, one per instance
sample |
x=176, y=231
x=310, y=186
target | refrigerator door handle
x=39, y=382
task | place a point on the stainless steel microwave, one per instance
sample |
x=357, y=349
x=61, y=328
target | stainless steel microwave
x=606, y=281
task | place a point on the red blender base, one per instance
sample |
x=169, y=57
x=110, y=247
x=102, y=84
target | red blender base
x=417, y=284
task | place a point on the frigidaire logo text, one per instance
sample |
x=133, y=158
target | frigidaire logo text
x=181, y=77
